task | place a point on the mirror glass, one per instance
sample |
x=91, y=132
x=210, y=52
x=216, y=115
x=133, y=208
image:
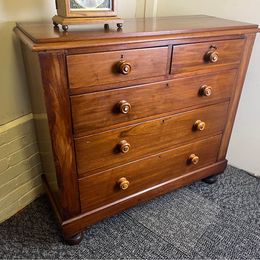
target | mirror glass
x=91, y=5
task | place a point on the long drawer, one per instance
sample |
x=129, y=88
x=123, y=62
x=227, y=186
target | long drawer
x=109, y=149
x=190, y=58
x=119, y=183
x=96, y=69
x=106, y=109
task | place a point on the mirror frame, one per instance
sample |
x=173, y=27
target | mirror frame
x=63, y=9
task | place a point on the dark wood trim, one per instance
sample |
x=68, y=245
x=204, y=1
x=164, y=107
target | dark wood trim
x=169, y=61
x=59, y=117
x=157, y=43
x=57, y=210
x=236, y=95
x=74, y=226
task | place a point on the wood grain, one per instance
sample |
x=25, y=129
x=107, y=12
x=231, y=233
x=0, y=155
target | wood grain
x=58, y=111
x=101, y=151
x=101, y=189
x=90, y=70
x=99, y=110
x=81, y=222
x=191, y=57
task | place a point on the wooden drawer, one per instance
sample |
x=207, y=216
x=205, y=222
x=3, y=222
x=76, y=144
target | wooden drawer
x=106, y=68
x=103, y=188
x=109, y=149
x=101, y=110
x=204, y=56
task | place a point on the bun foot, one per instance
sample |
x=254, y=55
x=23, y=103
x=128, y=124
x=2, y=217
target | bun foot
x=75, y=240
x=211, y=179
x=56, y=26
x=65, y=28
x=119, y=25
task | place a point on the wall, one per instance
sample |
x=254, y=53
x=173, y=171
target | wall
x=245, y=141
x=20, y=167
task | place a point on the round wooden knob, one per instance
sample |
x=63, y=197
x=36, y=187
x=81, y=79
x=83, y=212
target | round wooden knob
x=200, y=125
x=124, y=107
x=212, y=55
x=124, y=67
x=124, y=146
x=206, y=91
x=194, y=159
x=123, y=183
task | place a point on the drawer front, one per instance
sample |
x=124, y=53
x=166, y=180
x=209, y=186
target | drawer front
x=104, y=110
x=202, y=56
x=119, y=66
x=102, y=151
x=107, y=187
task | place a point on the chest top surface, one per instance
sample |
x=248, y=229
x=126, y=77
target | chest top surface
x=42, y=36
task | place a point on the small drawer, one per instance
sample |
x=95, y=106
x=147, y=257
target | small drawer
x=109, y=149
x=107, y=109
x=204, y=56
x=121, y=182
x=96, y=69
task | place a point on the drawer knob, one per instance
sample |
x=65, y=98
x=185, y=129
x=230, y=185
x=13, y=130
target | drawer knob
x=212, y=55
x=194, y=159
x=200, y=125
x=123, y=183
x=206, y=91
x=124, y=146
x=124, y=67
x=124, y=107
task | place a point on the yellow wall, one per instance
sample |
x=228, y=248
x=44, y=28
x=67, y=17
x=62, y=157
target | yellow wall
x=14, y=99
x=20, y=166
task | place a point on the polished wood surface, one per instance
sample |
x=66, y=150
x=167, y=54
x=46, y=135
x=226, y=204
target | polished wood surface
x=108, y=68
x=250, y=39
x=101, y=110
x=192, y=57
x=58, y=111
x=195, y=24
x=137, y=112
x=104, y=149
x=103, y=188
x=77, y=224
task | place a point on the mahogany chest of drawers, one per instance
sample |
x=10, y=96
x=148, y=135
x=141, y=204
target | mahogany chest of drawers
x=125, y=115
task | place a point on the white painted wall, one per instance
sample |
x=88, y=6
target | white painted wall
x=244, y=147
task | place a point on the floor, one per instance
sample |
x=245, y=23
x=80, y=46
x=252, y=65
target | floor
x=200, y=221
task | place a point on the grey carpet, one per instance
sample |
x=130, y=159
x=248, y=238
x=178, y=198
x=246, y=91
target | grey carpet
x=201, y=221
